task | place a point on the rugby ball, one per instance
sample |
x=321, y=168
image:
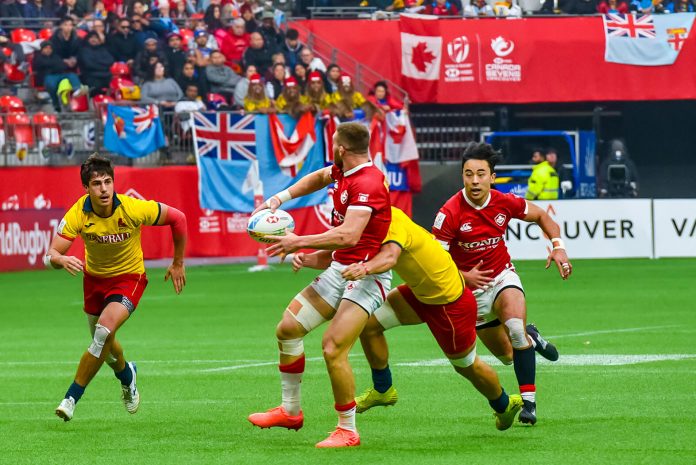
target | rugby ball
x=265, y=223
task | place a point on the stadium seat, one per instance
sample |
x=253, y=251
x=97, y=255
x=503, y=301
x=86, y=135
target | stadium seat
x=22, y=35
x=100, y=102
x=46, y=33
x=120, y=69
x=7, y=51
x=11, y=104
x=13, y=75
x=19, y=129
x=79, y=103
x=47, y=129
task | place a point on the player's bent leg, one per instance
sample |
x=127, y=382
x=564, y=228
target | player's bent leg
x=495, y=338
x=304, y=313
x=511, y=309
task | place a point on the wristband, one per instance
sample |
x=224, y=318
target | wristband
x=47, y=262
x=558, y=243
x=282, y=196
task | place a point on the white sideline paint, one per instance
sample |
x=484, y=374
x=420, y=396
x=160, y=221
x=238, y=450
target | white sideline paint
x=569, y=360
x=610, y=331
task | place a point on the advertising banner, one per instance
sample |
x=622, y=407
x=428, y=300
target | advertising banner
x=675, y=227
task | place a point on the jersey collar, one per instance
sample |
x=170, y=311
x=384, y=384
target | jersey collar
x=472, y=204
x=357, y=168
x=87, y=207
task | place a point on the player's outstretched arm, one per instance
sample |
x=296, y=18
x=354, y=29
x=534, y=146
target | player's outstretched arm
x=341, y=237
x=308, y=184
x=385, y=260
x=552, y=230
x=56, y=258
x=319, y=260
x=174, y=218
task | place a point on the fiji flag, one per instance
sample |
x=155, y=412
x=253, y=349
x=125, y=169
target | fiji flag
x=648, y=40
x=236, y=160
x=133, y=131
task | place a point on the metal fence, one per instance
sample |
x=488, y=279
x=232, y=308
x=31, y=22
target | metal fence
x=441, y=136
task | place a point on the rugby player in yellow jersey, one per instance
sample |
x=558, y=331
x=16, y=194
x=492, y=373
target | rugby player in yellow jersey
x=114, y=273
x=434, y=293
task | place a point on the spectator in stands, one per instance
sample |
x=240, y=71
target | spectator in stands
x=238, y=42
x=292, y=47
x=49, y=70
x=333, y=74
x=272, y=36
x=274, y=85
x=190, y=103
x=317, y=95
x=10, y=9
x=478, y=8
x=98, y=11
x=441, y=8
x=242, y=87
x=250, y=23
x=160, y=89
x=221, y=78
x=213, y=18
x=175, y=55
x=141, y=31
x=256, y=100
x=192, y=77
x=37, y=9
x=300, y=74
x=313, y=63
x=122, y=42
x=147, y=58
x=200, y=52
x=679, y=6
x=72, y=9
x=291, y=101
x=99, y=27
x=543, y=183
x=348, y=99
x=381, y=102
x=161, y=21
x=181, y=10
x=258, y=54
x=612, y=6
x=94, y=61
x=65, y=42
x=578, y=7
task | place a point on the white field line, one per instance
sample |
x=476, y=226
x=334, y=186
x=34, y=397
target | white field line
x=569, y=360
x=609, y=331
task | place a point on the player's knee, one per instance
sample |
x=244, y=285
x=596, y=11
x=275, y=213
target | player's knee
x=332, y=350
x=101, y=333
x=518, y=336
x=306, y=315
x=288, y=328
x=505, y=359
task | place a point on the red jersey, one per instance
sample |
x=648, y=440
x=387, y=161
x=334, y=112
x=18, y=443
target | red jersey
x=362, y=188
x=472, y=233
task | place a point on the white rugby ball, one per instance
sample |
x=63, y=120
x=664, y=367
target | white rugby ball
x=265, y=223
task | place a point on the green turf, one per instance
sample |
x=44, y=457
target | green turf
x=588, y=414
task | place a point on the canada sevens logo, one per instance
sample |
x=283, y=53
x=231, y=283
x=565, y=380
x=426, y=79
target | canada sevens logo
x=458, y=49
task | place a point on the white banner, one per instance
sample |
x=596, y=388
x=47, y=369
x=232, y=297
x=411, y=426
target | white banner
x=675, y=227
x=590, y=228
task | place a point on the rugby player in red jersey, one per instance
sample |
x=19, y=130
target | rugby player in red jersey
x=472, y=225
x=114, y=272
x=361, y=217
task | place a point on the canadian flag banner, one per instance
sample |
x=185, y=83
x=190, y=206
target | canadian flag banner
x=421, y=53
x=400, y=144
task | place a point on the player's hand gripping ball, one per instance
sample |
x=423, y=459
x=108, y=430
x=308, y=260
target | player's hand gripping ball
x=265, y=223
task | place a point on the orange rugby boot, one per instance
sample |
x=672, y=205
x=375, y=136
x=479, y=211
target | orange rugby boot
x=341, y=438
x=277, y=417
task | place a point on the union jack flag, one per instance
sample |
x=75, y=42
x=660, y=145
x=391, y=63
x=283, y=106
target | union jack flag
x=618, y=25
x=225, y=136
x=144, y=117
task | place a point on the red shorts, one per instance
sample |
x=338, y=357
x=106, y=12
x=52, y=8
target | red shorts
x=126, y=289
x=453, y=325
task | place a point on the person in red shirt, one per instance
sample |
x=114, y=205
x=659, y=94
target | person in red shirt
x=441, y=8
x=472, y=225
x=361, y=219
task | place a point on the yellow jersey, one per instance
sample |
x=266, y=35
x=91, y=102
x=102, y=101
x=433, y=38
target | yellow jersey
x=112, y=245
x=253, y=106
x=281, y=103
x=423, y=264
x=357, y=99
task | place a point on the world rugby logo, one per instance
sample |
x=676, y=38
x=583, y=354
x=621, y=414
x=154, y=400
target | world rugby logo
x=458, y=49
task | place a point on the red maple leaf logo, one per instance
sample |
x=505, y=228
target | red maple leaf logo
x=421, y=56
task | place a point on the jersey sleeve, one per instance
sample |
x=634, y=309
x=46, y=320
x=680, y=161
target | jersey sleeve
x=517, y=206
x=398, y=231
x=444, y=228
x=368, y=193
x=145, y=212
x=71, y=225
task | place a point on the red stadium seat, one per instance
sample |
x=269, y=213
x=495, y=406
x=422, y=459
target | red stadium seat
x=47, y=130
x=79, y=103
x=120, y=69
x=100, y=103
x=81, y=33
x=11, y=104
x=46, y=33
x=23, y=35
x=13, y=74
x=7, y=51
x=19, y=128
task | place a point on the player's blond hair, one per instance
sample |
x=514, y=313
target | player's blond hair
x=354, y=137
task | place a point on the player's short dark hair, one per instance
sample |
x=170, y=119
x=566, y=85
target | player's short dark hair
x=292, y=34
x=354, y=137
x=481, y=151
x=95, y=164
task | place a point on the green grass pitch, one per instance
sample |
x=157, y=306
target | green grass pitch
x=622, y=392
